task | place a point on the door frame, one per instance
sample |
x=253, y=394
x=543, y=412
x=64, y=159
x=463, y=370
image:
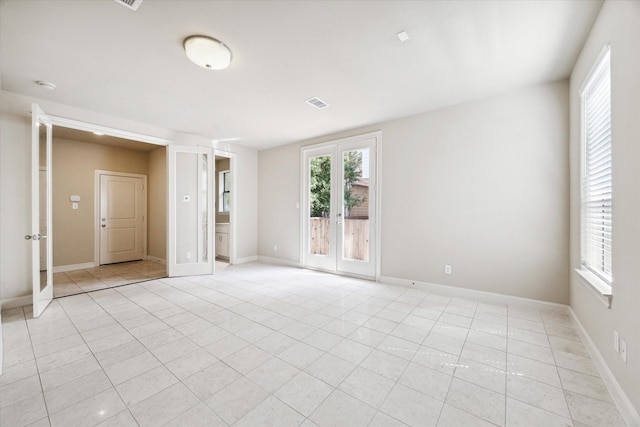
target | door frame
x=233, y=214
x=96, y=210
x=377, y=136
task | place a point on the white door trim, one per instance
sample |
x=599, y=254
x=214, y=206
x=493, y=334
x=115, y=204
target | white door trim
x=96, y=211
x=91, y=127
x=377, y=136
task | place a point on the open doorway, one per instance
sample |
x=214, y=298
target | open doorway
x=223, y=208
x=85, y=212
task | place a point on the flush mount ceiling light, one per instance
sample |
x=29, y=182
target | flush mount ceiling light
x=207, y=52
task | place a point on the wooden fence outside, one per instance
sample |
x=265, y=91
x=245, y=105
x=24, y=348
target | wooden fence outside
x=355, y=242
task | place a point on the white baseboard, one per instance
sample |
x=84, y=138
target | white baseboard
x=487, y=297
x=156, y=259
x=628, y=412
x=246, y=259
x=15, y=302
x=72, y=267
x=278, y=261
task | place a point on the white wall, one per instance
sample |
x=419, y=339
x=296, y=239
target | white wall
x=157, y=204
x=15, y=183
x=619, y=25
x=244, y=166
x=15, y=203
x=482, y=186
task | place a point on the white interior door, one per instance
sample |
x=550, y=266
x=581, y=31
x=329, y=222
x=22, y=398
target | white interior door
x=340, y=206
x=122, y=218
x=190, y=249
x=42, y=260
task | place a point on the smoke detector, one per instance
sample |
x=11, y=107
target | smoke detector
x=130, y=4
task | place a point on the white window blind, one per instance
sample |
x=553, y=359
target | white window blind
x=597, y=227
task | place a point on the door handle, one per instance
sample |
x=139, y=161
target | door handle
x=103, y=225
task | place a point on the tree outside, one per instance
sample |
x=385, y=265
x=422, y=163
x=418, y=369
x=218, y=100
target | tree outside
x=320, y=185
x=352, y=174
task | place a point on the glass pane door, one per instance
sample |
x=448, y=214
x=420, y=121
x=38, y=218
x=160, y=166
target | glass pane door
x=340, y=206
x=319, y=204
x=42, y=263
x=190, y=211
x=318, y=208
x=355, y=224
x=355, y=205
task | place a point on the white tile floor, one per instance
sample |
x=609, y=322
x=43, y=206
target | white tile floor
x=260, y=345
x=105, y=277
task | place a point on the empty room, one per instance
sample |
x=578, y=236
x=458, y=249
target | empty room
x=319, y=213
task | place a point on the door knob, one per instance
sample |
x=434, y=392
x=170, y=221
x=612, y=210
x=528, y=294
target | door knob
x=103, y=225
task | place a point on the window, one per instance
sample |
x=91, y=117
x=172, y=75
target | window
x=224, y=183
x=596, y=201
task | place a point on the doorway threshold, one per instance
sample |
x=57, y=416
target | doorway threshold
x=105, y=277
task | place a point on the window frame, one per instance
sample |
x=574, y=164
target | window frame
x=600, y=278
x=224, y=178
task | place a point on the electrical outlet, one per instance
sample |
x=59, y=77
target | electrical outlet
x=447, y=269
x=623, y=350
x=616, y=341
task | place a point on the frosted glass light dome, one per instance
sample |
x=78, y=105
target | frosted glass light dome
x=207, y=52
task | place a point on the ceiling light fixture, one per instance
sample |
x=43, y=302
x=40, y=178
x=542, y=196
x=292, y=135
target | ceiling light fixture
x=207, y=52
x=46, y=85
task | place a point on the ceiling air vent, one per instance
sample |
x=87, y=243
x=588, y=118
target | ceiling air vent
x=131, y=4
x=317, y=102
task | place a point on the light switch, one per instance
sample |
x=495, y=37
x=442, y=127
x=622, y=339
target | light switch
x=74, y=199
x=74, y=205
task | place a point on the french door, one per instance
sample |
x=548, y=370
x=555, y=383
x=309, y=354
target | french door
x=190, y=245
x=40, y=237
x=340, y=206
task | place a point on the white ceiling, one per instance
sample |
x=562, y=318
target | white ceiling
x=106, y=58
